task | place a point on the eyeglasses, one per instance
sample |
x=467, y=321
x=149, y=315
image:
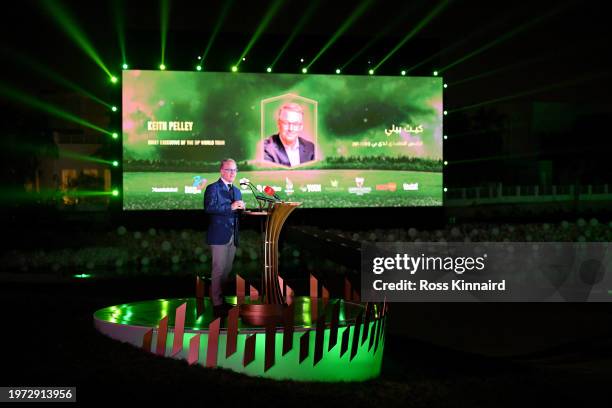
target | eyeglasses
x=230, y=170
x=291, y=125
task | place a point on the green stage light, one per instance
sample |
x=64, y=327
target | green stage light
x=67, y=154
x=445, y=137
x=164, y=14
x=563, y=84
x=500, y=39
x=125, y=66
x=435, y=73
x=114, y=79
x=68, y=23
x=269, y=69
x=220, y=20
x=115, y=135
x=338, y=71
x=358, y=11
x=403, y=72
x=115, y=163
x=114, y=109
x=304, y=70
x=445, y=189
x=445, y=163
x=51, y=109
x=82, y=276
x=234, y=68
x=198, y=67
x=371, y=72
x=115, y=192
x=445, y=85
x=445, y=112
x=162, y=67
x=398, y=18
x=45, y=71
x=416, y=29
x=270, y=13
x=305, y=16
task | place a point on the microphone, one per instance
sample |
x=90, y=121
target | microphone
x=245, y=182
x=270, y=191
x=258, y=196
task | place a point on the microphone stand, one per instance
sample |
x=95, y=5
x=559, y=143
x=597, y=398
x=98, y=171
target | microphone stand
x=258, y=196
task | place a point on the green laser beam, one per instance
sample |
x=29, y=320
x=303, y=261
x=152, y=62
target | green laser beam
x=13, y=195
x=396, y=21
x=220, y=21
x=531, y=61
x=563, y=84
x=508, y=35
x=165, y=17
x=464, y=39
x=345, y=26
x=120, y=26
x=298, y=28
x=432, y=14
x=54, y=76
x=262, y=26
x=63, y=153
x=499, y=70
x=451, y=47
x=523, y=155
x=36, y=103
x=67, y=23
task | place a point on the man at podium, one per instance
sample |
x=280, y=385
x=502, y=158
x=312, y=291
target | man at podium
x=222, y=201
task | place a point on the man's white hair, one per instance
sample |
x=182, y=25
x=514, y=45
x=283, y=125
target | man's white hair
x=290, y=106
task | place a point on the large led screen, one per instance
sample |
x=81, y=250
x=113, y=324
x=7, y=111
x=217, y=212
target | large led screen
x=323, y=140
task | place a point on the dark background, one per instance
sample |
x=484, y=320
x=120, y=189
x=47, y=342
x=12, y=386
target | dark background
x=531, y=109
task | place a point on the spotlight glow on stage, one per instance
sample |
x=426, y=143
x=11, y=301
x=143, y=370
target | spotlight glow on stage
x=114, y=109
x=304, y=70
x=115, y=163
x=338, y=71
x=125, y=66
x=371, y=72
x=115, y=192
x=162, y=67
x=403, y=72
x=115, y=135
x=269, y=69
x=114, y=79
x=435, y=73
x=198, y=67
x=234, y=68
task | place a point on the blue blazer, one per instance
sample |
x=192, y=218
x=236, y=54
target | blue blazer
x=275, y=152
x=223, y=221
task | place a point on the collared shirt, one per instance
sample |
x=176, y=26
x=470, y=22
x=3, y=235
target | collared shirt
x=293, y=152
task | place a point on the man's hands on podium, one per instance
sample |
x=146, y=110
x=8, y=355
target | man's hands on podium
x=238, y=205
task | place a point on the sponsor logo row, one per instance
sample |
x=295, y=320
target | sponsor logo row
x=360, y=188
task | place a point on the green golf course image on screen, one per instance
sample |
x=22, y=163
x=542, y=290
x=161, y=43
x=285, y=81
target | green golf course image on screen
x=328, y=141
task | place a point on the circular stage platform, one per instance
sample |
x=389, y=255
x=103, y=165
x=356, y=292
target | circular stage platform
x=316, y=339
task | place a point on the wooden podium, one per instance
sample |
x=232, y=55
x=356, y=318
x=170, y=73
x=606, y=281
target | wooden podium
x=272, y=300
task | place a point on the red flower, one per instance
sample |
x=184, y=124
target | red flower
x=269, y=191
